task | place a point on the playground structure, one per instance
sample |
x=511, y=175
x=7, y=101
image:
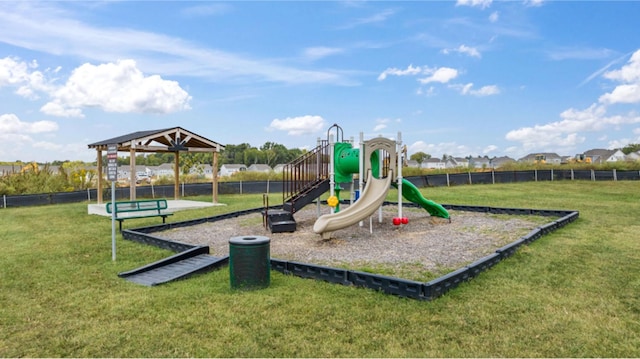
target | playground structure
x=378, y=164
x=324, y=169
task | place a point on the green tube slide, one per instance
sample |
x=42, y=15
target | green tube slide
x=412, y=193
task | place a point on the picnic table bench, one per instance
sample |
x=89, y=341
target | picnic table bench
x=139, y=209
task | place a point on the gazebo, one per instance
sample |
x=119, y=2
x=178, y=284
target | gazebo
x=174, y=140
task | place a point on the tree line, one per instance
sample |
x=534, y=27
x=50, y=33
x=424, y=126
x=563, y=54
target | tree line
x=75, y=175
x=269, y=153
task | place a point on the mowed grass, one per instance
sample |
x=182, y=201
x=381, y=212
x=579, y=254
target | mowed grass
x=573, y=293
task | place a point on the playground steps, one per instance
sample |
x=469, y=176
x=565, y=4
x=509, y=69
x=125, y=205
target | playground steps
x=306, y=196
x=280, y=221
x=180, y=266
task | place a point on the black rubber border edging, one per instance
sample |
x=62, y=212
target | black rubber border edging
x=389, y=285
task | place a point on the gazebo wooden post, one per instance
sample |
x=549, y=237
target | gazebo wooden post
x=176, y=176
x=132, y=174
x=214, y=172
x=99, y=176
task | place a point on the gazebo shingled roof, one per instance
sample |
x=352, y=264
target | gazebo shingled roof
x=169, y=137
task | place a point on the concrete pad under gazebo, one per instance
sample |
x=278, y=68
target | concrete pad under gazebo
x=174, y=140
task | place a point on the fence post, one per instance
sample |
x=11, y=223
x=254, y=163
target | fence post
x=493, y=177
x=552, y=174
x=615, y=175
x=572, y=178
x=535, y=175
x=88, y=195
x=593, y=175
x=470, y=182
x=4, y=200
x=448, y=185
x=240, y=187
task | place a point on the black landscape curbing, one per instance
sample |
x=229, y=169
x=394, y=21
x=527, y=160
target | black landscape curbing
x=389, y=285
x=483, y=264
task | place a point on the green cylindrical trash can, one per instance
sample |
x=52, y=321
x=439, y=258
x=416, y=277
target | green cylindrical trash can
x=249, y=262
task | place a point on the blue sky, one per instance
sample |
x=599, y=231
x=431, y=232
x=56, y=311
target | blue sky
x=472, y=77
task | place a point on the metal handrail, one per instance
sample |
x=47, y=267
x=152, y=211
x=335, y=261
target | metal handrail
x=305, y=171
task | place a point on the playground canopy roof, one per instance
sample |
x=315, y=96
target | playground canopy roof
x=165, y=140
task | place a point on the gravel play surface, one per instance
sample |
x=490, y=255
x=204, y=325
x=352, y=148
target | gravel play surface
x=425, y=244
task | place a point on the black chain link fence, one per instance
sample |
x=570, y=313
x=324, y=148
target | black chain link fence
x=257, y=187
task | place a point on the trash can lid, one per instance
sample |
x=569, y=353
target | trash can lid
x=249, y=240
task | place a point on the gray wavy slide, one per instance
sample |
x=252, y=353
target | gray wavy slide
x=371, y=199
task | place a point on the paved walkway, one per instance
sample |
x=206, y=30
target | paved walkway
x=172, y=204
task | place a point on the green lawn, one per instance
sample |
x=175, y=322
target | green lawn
x=573, y=293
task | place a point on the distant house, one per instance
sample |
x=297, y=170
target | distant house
x=434, y=163
x=164, y=170
x=549, y=158
x=279, y=167
x=498, y=162
x=260, y=168
x=602, y=156
x=142, y=172
x=412, y=163
x=633, y=156
x=205, y=170
x=6, y=170
x=480, y=162
x=460, y=161
x=229, y=169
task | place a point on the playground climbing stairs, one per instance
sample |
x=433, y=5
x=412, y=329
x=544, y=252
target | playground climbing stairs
x=306, y=196
x=306, y=178
x=180, y=266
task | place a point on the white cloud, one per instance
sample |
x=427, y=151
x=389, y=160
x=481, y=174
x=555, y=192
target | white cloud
x=112, y=87
x=23, y=75
x=382, y=123
x=483, y=91
x=316, y=53
x=301, y=125
x=431, y=91
x=533, y=3
x=464, y=49
x=47, y=27
x=375, y=18
x=16, y=136
x=622, y=94
x=442, y=75
x=566, y=133
x=629, y=76
x=490, y=149
x=475, y=3
x=13, y=72
x=486, y=91
x=494, y=16
x=629, y=72
x=411, y=70
x=116, y=87
x=11, y=124
x=437, y=150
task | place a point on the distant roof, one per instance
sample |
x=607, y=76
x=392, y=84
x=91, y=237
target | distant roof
x=164, y=140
